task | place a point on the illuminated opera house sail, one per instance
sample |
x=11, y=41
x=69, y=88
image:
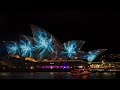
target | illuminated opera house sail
x=44, y=46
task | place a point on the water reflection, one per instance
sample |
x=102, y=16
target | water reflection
x=58, y=75
x=102, y=75
x=80, y=76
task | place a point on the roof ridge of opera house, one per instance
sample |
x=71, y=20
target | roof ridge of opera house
x=44, y=46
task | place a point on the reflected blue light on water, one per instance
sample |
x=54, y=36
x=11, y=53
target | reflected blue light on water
x=57, y=75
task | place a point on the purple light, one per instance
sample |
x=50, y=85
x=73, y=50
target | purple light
x=54, y=67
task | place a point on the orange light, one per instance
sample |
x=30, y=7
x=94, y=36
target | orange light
x=30, y=59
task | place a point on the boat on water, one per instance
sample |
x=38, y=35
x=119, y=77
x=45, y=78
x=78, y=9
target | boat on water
x=80, y=71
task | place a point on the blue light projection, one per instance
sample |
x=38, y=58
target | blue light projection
x=70, y=48
x=26, y=47
x=12, y=48
x=44, y=46
x=91, y=55
x=44, y=42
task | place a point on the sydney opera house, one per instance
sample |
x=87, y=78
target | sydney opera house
x=44, y=46
x=43, y=51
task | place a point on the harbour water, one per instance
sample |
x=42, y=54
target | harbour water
x=58, y=75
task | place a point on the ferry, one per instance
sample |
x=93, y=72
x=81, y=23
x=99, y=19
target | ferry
x=80, y=71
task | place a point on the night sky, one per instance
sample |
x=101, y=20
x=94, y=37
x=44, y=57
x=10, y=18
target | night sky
x=98, y=27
